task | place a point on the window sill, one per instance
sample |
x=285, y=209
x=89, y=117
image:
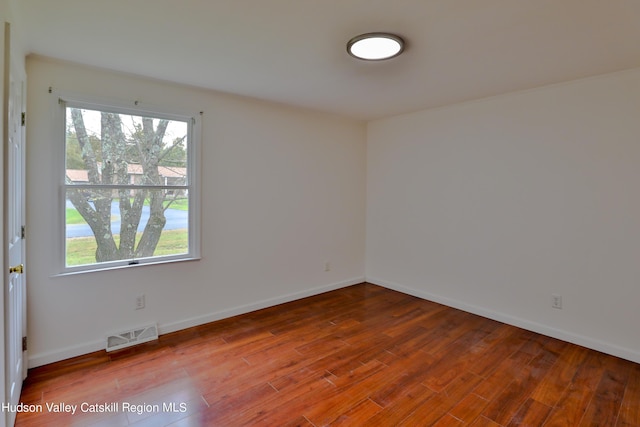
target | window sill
x=120, y=266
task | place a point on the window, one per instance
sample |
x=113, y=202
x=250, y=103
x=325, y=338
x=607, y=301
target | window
x=129, y=187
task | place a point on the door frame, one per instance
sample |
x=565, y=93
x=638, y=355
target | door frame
x=4, y=44
x=10, y=67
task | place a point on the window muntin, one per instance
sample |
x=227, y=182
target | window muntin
x=129, y=187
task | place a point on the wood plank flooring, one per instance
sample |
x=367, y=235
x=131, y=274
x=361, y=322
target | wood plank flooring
x=359, y=356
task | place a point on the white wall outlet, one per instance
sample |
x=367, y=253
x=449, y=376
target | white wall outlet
x=556, y=301
x=327, y=266
x=140, y=302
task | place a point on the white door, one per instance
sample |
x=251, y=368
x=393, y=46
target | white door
x=15, y=294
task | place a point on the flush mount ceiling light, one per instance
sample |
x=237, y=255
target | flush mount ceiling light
x=375, y=46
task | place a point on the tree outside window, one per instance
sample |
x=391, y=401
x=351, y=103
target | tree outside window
x=127, y=186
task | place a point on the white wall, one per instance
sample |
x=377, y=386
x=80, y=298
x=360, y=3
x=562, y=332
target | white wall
x=283, y=192
x=494, y=205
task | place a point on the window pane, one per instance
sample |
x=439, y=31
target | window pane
x=122, y=149
x=105, y=225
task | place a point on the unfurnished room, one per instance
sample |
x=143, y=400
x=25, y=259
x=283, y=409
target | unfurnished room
x=311, y=213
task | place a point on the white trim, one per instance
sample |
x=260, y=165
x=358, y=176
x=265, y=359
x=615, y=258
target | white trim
x=52, y=356
x=212, y=317
x=603, y=346
x=117, y=265
x=194, y=166
x=119, y=105
x=40, y=359
x=4, y=75
x=60, y=100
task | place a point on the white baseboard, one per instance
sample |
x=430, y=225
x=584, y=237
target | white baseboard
x=45, y=358
x=57, y=355
x=602, y=346
x=40, y=359
x=212, y=317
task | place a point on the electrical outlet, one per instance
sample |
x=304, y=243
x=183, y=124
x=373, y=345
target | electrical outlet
x=140, y=302
x=327, y=266
x=556, y=301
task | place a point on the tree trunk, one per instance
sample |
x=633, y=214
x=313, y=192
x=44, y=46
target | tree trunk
x=151, y=150
x=97, y=217
x=114, y=170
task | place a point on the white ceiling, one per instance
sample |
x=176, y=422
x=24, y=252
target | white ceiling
x=293, y=51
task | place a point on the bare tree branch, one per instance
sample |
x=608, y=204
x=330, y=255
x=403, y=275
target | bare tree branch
x=115, y=170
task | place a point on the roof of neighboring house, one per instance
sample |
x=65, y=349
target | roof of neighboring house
x=78, y=175
x=164, y=171
x=81, y=175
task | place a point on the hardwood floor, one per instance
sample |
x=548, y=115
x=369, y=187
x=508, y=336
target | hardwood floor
x=359, y=356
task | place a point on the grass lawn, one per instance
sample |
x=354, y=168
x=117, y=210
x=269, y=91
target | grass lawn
x=74, y=217
x=178, y=204
x=82, y=250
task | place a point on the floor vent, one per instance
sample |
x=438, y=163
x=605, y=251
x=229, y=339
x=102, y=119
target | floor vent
x=132, y=337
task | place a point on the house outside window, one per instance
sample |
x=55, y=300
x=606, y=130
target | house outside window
x=129, y=186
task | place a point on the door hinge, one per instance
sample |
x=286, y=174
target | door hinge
x=24, y=343
x=23, y=232
x=23, y=119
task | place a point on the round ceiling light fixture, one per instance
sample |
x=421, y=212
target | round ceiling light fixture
x=375, y=46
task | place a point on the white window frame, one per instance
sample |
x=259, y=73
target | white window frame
x=194, y=120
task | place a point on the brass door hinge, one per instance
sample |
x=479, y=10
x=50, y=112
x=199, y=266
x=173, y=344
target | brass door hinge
x=24, y=343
